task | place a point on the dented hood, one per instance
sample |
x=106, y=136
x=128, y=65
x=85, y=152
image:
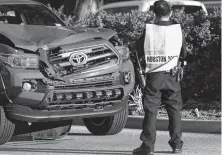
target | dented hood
x=33, y=37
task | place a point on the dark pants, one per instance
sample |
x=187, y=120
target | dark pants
x=161, y=87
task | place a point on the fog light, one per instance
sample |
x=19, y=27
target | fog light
x=99, y=93
x=26, y=86
x=79, y=95
x=68, y=97
x=127, y=77
x=89, y=94
x=117, y=92
x=29, y=85
x=109, y=93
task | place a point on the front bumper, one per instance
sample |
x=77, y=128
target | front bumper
x=24, y=113
x=35, y=106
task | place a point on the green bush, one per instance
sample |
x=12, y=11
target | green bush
x=68, y=19
x=203, y=36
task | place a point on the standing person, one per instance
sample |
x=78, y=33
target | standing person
x=163, y=46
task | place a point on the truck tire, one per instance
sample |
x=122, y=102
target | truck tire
x=50, y=130
x=6, y=127
x=109, y=125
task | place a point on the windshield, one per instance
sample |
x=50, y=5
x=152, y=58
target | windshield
x=127, y=9
x=30, y=14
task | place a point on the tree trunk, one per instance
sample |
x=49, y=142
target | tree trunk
x=84, y=8
x=77, y=9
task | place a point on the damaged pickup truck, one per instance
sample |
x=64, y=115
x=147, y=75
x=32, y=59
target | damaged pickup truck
x=50, y=74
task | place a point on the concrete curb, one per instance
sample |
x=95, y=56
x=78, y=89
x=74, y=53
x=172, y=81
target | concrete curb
x=195, y=126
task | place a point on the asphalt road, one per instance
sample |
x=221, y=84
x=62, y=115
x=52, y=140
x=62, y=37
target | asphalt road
x=81, y=142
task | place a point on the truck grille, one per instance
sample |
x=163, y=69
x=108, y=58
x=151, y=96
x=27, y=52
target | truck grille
x=90, y=85
x=70, y=61
x=104, y=80
x=73, y=100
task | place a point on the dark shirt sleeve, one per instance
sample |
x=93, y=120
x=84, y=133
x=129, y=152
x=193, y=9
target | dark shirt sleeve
x=140, y=48
x=183, y=53
x=140, y=44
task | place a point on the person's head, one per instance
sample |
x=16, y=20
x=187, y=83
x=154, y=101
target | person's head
x=162, y=9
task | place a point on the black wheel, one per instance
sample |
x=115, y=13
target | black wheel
x=110, y=125
x=50, y=130
x=6, y=127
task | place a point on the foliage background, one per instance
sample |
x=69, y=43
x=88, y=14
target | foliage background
x=202, y=78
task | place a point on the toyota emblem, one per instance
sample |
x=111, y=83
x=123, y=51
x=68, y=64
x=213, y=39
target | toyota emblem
x=78, y=59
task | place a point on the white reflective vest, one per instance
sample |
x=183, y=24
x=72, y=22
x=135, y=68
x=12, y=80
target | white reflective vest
x=162, y=45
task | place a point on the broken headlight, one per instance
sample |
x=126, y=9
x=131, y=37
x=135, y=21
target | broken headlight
x=118, y=44
x=124, y=51
x=21, y=60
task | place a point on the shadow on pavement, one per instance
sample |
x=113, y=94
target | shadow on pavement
x=24, y=141
x=74, y=151
x=163, y=152
x=80, y=134
x=30, y=138
x=21, y=138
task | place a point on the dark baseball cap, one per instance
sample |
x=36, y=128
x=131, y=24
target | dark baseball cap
x=161, y=8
